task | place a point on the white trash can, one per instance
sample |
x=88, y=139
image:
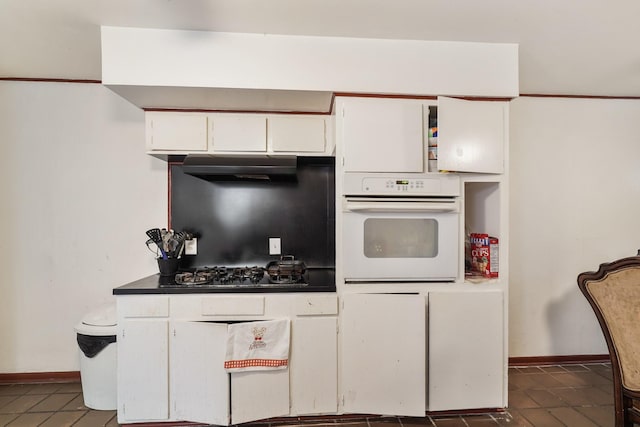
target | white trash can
x=96, y=337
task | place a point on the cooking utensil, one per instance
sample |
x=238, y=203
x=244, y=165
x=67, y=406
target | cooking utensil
x=150, y=242
x=286, y=269
x=156, y=235
x=182, y=237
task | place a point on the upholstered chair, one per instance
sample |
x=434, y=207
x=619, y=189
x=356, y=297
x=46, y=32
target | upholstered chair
x=614, y=294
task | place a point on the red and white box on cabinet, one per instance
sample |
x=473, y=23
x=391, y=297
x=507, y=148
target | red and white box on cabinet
x=484, y=254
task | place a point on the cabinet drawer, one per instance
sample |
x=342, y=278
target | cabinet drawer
x=143, y=306
x=239, y=306
x=309, y=305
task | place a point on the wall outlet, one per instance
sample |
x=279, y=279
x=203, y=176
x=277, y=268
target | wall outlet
x=274, y=246
x=191, y=246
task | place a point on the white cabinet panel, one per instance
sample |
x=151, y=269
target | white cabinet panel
x=297, y=133
x=202, y=391
x=381, y=135
x=314, y=366
x=143, y=306
x=310, y=305
x=232, y=305
x=466, y=350
x=228, y=132
x=143, y=370
x=471, y=135
x=259, y=394
x=176, y=131
x=236, y=132
x=383, y=339
x=172, y=368
x=199, y=383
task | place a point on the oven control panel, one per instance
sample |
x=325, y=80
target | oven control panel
x=382, y=185
x=417, y=185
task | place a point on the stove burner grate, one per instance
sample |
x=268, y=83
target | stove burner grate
x=236, y=277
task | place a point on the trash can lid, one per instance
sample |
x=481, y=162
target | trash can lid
x=102, y=316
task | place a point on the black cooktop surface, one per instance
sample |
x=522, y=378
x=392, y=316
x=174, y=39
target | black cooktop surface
x=247, y=279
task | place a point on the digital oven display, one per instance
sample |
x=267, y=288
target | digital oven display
x=402, y=182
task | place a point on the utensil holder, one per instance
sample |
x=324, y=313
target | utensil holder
x=168, y=267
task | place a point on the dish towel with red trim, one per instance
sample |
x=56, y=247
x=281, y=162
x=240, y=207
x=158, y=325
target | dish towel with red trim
x=257, y=346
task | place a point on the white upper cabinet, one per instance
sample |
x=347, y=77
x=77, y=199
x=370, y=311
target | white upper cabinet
x=472, y=135
x=380, y=134
x=238, y=132
x=176, y=131
x=184, y=133
x=390, y=135
x=297, y=133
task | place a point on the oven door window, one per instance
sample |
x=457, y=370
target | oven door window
x=400, y=238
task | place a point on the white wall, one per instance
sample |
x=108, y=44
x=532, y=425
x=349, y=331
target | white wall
x=77, y=195
x=78, y=192
x=574, y=203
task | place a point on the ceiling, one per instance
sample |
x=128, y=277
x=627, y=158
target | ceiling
x=580, y=47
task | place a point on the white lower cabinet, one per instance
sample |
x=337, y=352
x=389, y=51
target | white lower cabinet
x=143, y=358
x=199, y=383
x=400, y=354
x=314, y=365
x=392, y=363
x=383, y=339
x=202, y=391
x=171, y=362
x=258, y=395
x=467, y=365
x=143, y=366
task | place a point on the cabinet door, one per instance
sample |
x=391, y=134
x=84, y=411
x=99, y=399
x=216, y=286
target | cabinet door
x=314, y=366
x=176, y=131
x=381, y=135
x=383, y=342
x=143, y=370
x=256, y=395
x=466, y=350
x=236, y=132
x=471, y=135
x=202, y=391
x=199, y=383
x=297, y=134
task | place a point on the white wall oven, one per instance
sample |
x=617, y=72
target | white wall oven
x=400, y=229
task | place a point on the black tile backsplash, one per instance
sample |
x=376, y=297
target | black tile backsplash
x=233, y=220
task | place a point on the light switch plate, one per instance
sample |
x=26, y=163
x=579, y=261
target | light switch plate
x=191, y=246
x=274, y=246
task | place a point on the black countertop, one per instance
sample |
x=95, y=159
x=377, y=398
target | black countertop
x=319, y=279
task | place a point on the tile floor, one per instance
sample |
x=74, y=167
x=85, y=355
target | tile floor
x=545, y=396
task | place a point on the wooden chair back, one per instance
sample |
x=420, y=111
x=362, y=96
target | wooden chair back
x=614, y=294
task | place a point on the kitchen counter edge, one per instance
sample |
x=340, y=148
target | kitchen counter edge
x=150, y=285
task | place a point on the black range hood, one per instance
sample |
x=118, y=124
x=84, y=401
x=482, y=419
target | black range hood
x=240, y=167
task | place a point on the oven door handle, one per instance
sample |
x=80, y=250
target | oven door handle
x=400, y=207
